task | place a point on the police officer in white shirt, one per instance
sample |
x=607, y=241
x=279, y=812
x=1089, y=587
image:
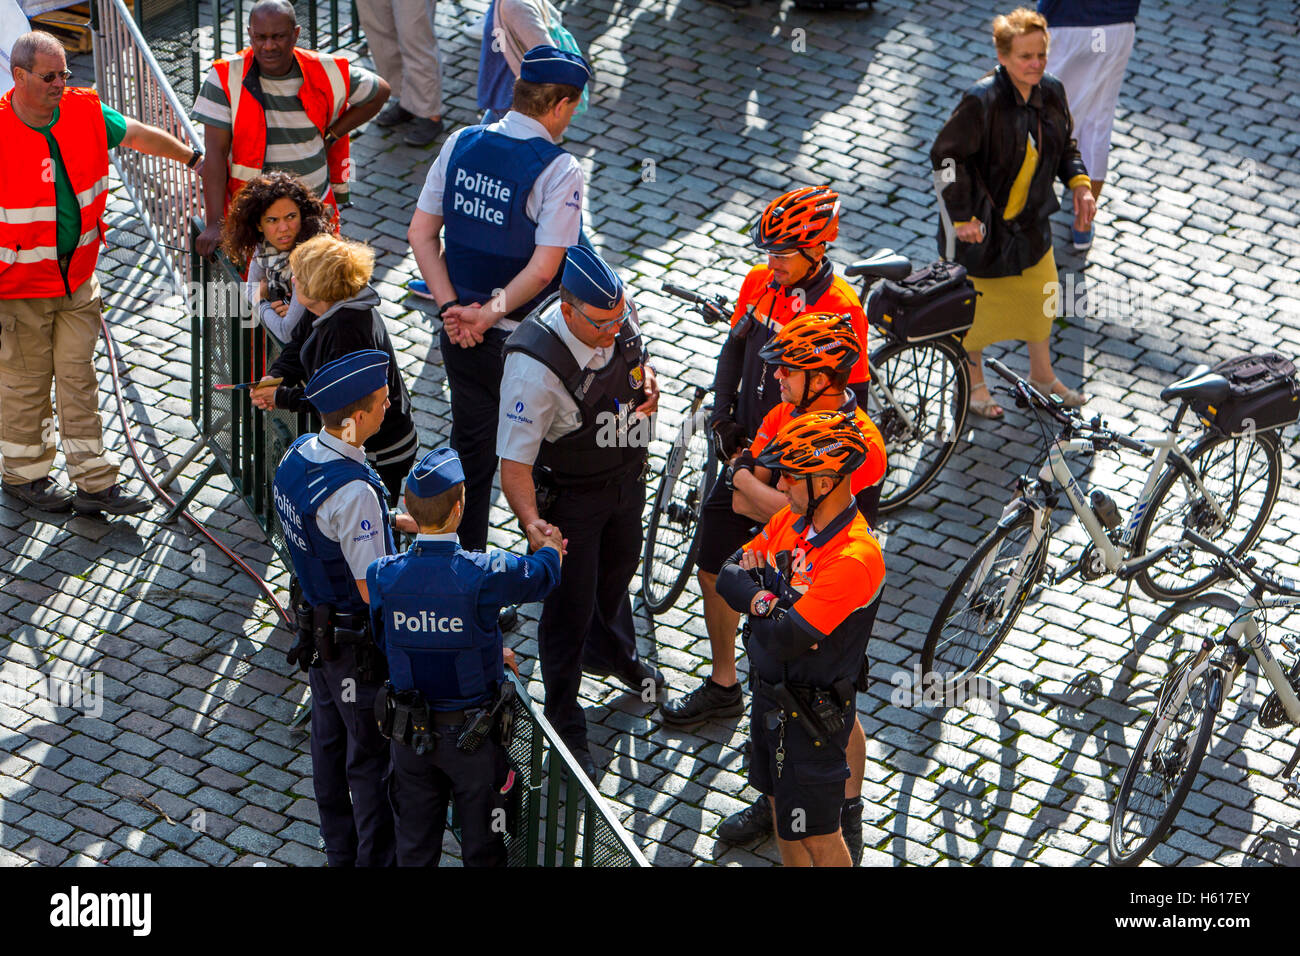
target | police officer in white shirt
x=331, y=507
x=511, y=202
x=575, y=422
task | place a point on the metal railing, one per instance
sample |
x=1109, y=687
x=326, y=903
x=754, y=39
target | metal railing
x=129, y=80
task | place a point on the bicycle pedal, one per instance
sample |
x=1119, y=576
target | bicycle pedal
x=1292, y=785
x=1052, y=571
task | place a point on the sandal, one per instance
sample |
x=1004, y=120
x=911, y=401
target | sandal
x=1070, y=397
x=985, y=407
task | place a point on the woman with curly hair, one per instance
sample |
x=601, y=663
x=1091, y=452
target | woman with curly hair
x=1008, y=139
x=268, y=217
x=331, y=279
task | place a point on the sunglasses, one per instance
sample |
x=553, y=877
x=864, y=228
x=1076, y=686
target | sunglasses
x=601, y=326
x=49, y=77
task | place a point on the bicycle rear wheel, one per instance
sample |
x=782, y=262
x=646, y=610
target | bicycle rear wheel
x=671, y=541
x=1161, y=771
x=984, y=601
x=1242, y=475
x=918, y=397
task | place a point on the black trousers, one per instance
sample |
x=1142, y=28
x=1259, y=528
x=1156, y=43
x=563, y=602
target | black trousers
x=350, y=766
x=587, y=619
x=422, y=785
x=474, y=375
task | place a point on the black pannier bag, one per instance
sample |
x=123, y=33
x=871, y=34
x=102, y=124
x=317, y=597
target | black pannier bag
x=932, y=302
x=1265, y=395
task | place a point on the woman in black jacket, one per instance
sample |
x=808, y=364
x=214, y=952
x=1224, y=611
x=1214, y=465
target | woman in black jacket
x=330, y=277
x=996, y=157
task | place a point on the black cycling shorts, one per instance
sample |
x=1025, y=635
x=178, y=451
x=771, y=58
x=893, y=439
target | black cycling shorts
x=809, y=793
x=722, y=531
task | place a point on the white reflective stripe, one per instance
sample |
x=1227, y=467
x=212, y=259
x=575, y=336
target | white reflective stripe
x=236, y=68
x=14, y=450
x=88, y=237
x=38, y=469
x=338, y=86
x=7, y=256
x=87, y=195
x=82, y=446
x=22, y=217
x=244, y=173
x=39, y=254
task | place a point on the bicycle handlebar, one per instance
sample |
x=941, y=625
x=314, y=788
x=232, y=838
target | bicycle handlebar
x=1269, y=582
x=711, y=309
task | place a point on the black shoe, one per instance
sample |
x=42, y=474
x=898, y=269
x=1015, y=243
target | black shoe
x=851, y=828
x=750, y=824
x=507, y=618
x=44, y=493
x=707, y=700
x=393, y=114
x=634, y=674
x=422, y=132
x=582, y=756
x=113, y=501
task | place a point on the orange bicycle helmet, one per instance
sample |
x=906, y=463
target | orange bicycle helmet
x=817, y=444
x=813, y=341
x=798, y=220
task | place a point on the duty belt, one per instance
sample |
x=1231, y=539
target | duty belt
x=822, y=712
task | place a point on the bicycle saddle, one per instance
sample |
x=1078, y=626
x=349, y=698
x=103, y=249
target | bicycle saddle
x=1208, y=387
x=887, y=264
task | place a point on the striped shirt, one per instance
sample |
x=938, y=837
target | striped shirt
x=293, y=144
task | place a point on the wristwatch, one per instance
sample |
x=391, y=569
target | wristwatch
x=194, y=160
x=330, y=136
x=763, y=605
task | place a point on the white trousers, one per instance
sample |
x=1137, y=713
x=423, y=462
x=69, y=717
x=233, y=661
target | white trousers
x=1090, y=61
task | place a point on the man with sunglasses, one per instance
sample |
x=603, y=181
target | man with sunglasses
x=54, y=143
x=575, y=422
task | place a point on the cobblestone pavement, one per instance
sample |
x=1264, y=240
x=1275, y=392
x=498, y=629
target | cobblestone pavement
x=707, y=114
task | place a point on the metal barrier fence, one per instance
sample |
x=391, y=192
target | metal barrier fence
x=130, y=80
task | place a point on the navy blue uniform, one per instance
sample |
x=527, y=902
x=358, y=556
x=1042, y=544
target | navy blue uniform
x=434, y=612
x=349, y=757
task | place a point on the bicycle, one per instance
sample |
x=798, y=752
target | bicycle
x=671, y=541
x=917, y=396
x=1213, y=488
x=1169, y=752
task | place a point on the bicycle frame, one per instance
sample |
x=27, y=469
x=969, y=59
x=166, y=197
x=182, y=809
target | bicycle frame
x=1164, y=448
x=1243, y=631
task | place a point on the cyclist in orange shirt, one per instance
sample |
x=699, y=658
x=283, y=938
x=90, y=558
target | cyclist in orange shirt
x=794, y=230
x=810, y=583
x=813, y=355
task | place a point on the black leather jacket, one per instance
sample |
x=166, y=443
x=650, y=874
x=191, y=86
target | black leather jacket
x=984, y=141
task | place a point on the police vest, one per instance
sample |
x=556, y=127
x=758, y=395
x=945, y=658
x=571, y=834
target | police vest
x=324, y=97
x=300, y=487
x=428, y=599
x=605, y=448
x=489, y=237
x=29, y=227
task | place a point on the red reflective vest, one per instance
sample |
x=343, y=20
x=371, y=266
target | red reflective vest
x=324, y=97
x=29, y=230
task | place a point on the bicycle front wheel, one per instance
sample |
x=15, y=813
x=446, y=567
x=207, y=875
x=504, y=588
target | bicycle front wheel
x=979, y=609
x=671, y=542
x=918, y=397
x=1242, y=476
x=1161, y=771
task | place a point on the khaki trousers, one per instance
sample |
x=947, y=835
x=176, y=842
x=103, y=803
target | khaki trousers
x=405, y=51
x=44, y=341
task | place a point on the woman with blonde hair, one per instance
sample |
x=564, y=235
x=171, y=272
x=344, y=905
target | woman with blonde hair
x=331, y=279
x=996, y=159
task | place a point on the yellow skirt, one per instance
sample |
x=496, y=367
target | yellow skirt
x=1012, y=307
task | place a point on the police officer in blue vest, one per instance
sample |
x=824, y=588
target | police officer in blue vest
x=511, y=202
x=575, y=423
x=434, y=611
x=331, y=505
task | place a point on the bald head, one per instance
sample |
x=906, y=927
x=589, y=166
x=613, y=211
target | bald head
x=272, y=33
